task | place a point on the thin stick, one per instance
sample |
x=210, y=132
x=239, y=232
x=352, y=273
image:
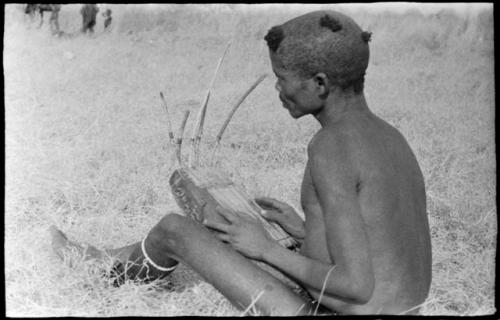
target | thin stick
x=178, y=141
x=252, y=306
x=198, y=126
x=169, y=124
x=323, y=289
x=233, y=111
x=200, y=132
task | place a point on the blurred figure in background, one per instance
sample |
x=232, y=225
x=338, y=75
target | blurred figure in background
x=107, y=18
x=89, y=13
x=54, y=18
x=32, y=8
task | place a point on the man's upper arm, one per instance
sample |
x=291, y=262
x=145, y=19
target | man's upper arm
x=335, y=177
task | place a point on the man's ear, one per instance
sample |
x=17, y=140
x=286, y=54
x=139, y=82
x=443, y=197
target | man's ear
x=322, y=85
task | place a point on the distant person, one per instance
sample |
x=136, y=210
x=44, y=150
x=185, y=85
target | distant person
x=54, y=19
x=107, y=18
x=365, y=242
x=32, y=9
x=89, y=13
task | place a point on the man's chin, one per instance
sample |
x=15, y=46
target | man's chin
x=295, y=115
x=292, y=111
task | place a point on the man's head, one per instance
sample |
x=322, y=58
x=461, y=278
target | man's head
x=325, y=42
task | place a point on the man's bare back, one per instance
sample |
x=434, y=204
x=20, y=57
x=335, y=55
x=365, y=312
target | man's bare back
x=391, y=196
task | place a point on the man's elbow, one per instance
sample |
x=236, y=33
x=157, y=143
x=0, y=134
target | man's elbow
x=362, y=291
x=362, y=296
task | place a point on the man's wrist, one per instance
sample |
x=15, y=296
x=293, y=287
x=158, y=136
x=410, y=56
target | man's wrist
x=273, y=249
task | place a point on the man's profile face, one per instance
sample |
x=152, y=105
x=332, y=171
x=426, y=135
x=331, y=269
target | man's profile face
x=294, y=92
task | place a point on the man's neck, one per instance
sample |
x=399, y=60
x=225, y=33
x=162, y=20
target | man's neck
x=340, y=105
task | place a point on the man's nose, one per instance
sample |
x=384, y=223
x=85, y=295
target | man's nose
x=277, y=86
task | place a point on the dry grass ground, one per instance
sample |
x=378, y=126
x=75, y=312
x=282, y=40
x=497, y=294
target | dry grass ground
x=87, y=146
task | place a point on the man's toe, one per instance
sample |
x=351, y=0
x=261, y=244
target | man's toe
x=57, y=234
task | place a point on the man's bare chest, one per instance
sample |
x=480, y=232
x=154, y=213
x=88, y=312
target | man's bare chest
x=308, y=196
x=314, y=245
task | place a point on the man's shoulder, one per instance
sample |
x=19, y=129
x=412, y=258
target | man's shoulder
x=331, y=137
x=330, y=142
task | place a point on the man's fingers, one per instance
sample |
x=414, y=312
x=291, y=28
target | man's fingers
x=227, y=214
x=221, y=227
x=265, y=201
x=222, y=230
x=273, y=204
x=272, y=215
x=223, y=237
x=268, y=203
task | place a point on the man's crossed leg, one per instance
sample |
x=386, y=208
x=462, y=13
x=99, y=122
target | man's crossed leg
x=177, y=238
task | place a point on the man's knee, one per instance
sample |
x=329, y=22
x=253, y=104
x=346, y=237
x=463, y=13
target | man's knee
x=173, y=223
x=179, y=229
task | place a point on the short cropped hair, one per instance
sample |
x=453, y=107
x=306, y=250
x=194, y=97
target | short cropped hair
x=323, y=41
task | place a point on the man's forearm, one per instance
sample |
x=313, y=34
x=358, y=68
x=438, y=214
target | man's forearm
x=312, y=273
x=296, y=265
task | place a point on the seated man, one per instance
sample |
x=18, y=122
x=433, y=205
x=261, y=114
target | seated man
x=365, y=239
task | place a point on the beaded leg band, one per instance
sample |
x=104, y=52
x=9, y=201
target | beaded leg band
x=151, y=262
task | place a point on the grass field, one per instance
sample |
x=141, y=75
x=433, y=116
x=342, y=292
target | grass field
x=87, y=145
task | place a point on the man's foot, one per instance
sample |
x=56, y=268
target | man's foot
x=124, y=263
x=64, y=248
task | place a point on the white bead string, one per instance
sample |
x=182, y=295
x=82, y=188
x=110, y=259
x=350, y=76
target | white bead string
x=151, y=261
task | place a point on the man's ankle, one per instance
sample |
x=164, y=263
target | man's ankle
x=155, y=252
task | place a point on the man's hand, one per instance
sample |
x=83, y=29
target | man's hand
x=284, y=215
x=246, y=235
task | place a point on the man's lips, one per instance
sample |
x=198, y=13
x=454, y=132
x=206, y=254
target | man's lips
x=283, y=102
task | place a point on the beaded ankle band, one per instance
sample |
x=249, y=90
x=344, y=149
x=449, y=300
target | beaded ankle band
x=151, y=261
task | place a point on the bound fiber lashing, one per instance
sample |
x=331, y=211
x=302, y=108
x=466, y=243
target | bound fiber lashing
x=199, y=190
